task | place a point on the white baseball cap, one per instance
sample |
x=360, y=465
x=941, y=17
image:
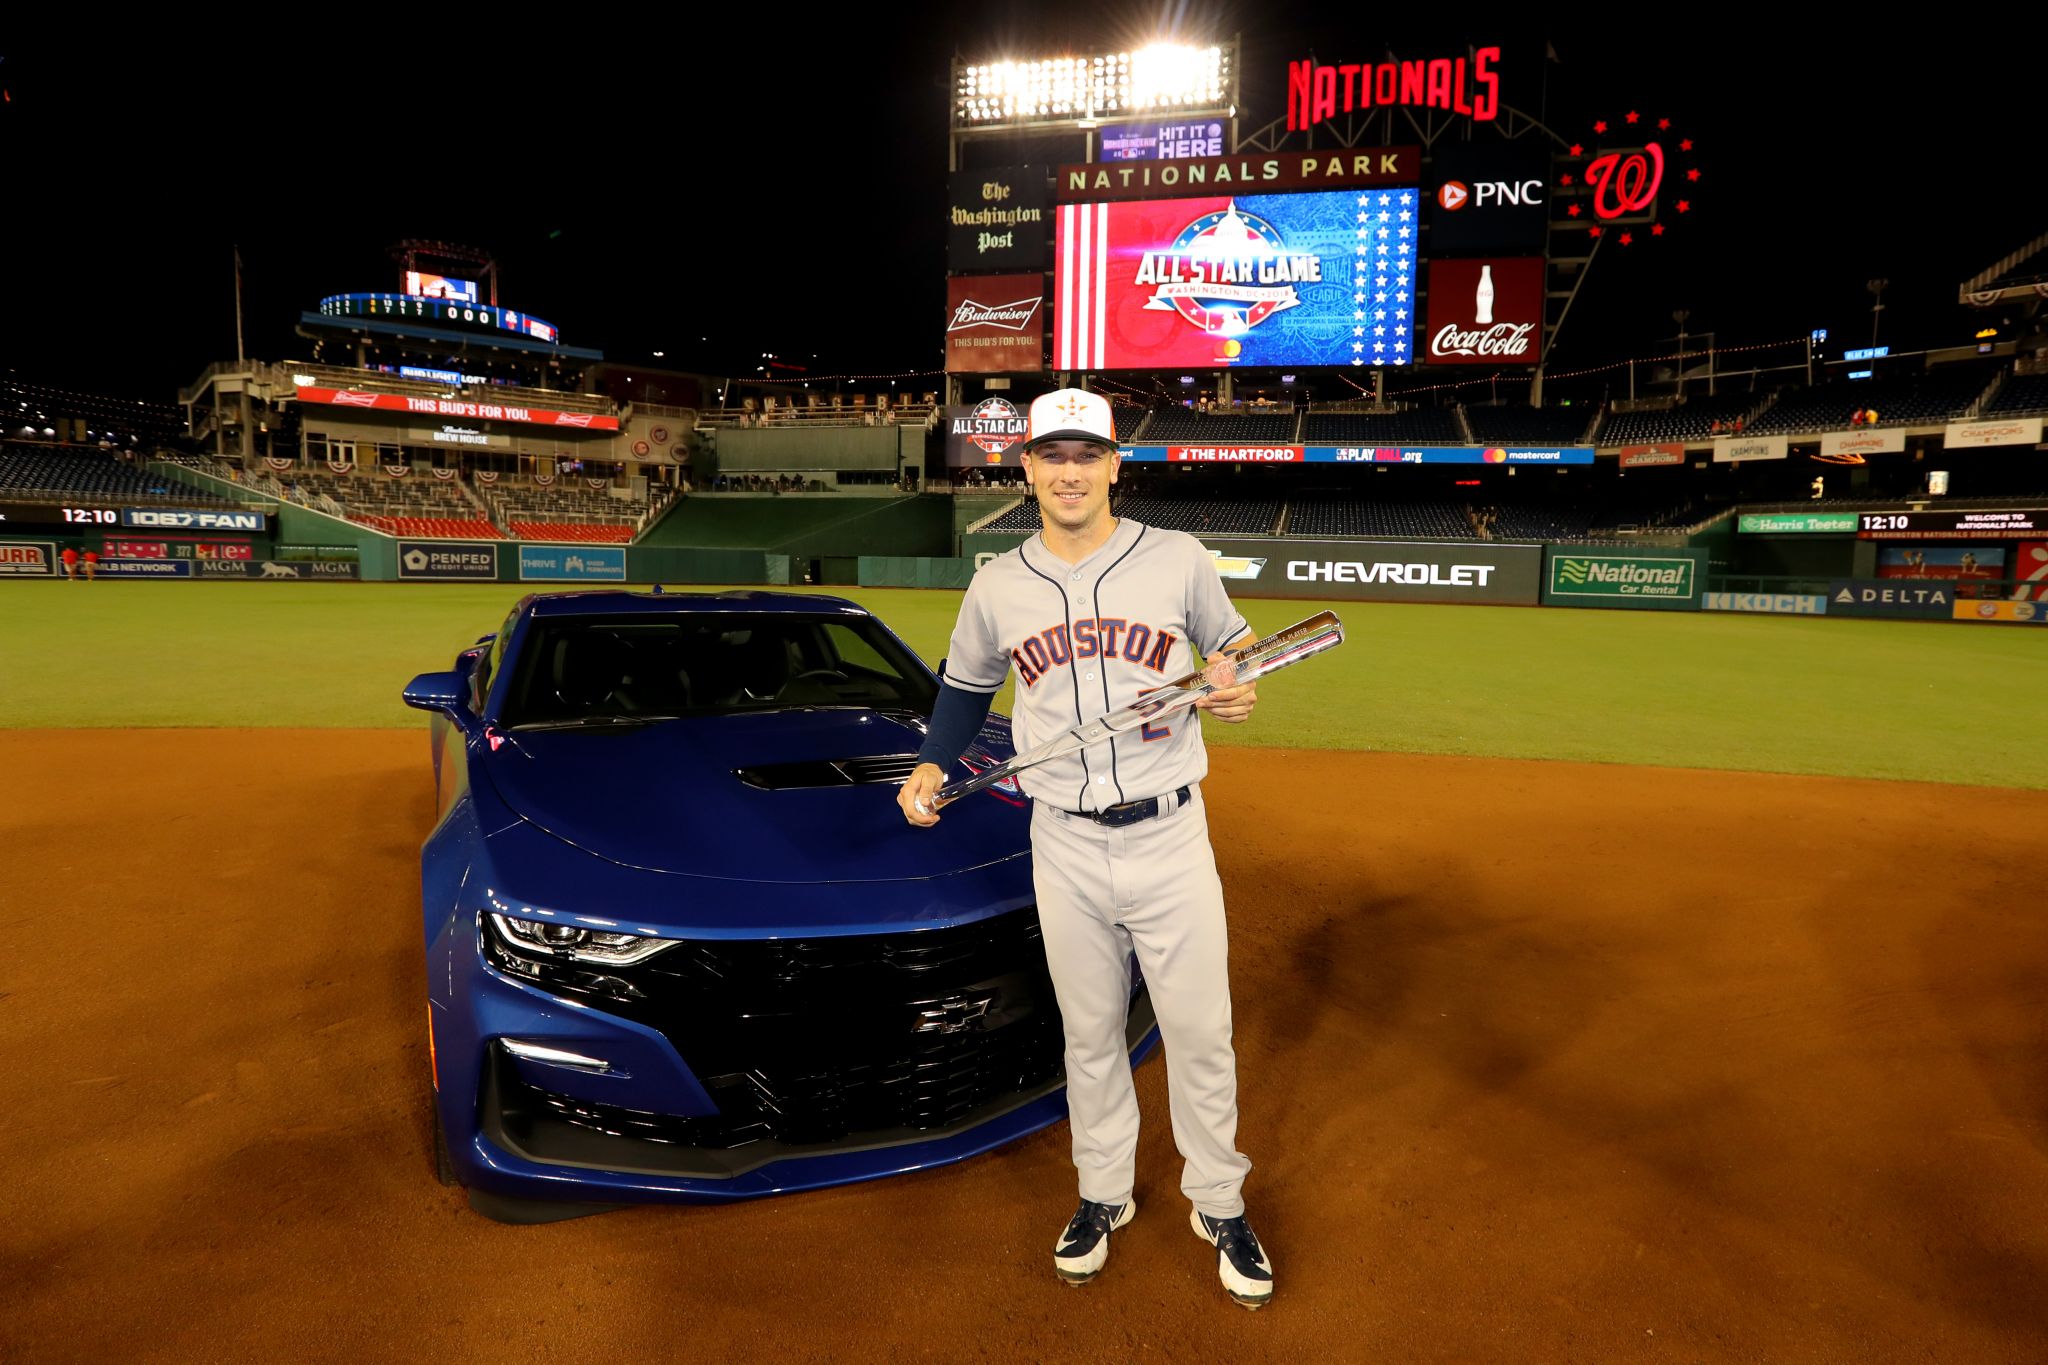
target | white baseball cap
x=1070, y=415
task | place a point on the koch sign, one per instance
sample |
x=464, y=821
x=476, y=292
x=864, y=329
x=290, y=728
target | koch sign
x=1156, y=141
x=1485, y=311
x=1488, y=196
x=573, y=563
x=187, y=519
x=476, y=560
x=1379, y=571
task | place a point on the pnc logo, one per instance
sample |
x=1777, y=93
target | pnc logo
x=1454, y=194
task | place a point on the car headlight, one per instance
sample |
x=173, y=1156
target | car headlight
x=567, y=942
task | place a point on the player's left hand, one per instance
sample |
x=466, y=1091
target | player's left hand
x=1230, y=704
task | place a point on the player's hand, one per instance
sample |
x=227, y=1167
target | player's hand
x=1230, y=704
x=921, y=789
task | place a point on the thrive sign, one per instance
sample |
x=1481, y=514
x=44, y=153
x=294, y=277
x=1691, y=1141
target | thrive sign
x=1623, y=578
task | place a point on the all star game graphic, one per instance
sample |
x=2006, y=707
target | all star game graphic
x=1280, y=279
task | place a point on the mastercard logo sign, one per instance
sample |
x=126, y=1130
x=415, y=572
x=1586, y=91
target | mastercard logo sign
x=1495, y=455
x=1454, y=194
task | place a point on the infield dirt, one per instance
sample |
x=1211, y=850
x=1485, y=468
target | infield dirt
x=1539, y=1061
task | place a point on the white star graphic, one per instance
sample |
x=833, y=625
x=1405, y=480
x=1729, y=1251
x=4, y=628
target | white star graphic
x=1377, y=331
x=1357, y=345
x=1404, y=231
x=1358, y=331
x=1357, y=314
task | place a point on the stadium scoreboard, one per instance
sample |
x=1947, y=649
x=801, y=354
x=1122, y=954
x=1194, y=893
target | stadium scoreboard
x=1983, y=524
x=71, y=516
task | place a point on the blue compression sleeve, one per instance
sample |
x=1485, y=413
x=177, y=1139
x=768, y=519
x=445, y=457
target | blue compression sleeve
x=956, y=720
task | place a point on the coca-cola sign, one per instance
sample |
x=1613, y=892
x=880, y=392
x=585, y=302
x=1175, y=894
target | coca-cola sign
x=995, y=324
x=1485, y=311
x=1508, y=340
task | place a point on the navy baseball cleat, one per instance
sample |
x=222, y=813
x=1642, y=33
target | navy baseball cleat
x=1240, y=1262
x=1083, y=1248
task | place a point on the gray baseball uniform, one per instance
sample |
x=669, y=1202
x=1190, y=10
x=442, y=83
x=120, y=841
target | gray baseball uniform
x=1086, y=639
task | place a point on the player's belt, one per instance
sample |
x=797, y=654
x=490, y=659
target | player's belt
x=1131, y=812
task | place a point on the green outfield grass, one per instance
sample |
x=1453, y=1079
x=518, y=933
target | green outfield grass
x=1924, y=701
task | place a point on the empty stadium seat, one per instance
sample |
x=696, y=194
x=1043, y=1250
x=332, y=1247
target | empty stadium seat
x=31, y=469
x=1413, y=426
x=2022, y=395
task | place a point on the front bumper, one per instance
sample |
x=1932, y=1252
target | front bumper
x=738, y=1069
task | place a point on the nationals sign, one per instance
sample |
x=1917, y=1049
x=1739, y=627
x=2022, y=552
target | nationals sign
x=1262, y=279
x=1485, y=311
x=995, y=324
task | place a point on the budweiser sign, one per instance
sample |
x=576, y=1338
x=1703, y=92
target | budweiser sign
x=1508, y=340
x=1013, y=317
x=1485, y=311
x=995, y=324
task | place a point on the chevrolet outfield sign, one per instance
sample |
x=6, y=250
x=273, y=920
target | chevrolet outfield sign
x=1623, y=579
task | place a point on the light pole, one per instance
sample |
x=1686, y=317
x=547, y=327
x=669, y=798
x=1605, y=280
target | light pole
x=1877, y=288
x=1679, y=315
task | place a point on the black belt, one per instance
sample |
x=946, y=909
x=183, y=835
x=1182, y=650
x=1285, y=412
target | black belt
x=1131, y=812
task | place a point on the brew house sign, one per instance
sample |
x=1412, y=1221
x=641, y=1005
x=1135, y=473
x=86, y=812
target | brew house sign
x=1485, y=311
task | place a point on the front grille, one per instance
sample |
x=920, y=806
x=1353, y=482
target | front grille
x=828, y=1040
x=822, y=772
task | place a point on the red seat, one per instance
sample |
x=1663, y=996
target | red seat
x=572, y=531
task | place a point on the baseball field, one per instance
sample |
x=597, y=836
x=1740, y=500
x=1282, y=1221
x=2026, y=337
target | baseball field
x=1608, y=985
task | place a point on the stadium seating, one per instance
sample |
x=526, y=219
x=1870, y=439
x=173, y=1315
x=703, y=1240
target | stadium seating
x=1359, y=516
x=610, y=519
x=1904, y=400
x=1215, y=428
x=1413, y=426
x=1694, y=419
x=1519, y=424
x=433, y=528
x=29, y=469
x=2022, y=395
x=569, y=530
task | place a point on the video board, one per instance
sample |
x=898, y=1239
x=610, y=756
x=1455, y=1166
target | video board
x=1323, y=278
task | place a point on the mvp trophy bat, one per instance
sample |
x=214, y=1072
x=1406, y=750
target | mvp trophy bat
x=1303, y=640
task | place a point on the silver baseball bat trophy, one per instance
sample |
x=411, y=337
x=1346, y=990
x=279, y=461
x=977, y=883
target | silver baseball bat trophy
x=1302, y=640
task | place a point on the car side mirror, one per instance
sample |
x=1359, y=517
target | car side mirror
x=436, y=691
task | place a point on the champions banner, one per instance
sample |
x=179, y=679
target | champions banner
x=1261, y=279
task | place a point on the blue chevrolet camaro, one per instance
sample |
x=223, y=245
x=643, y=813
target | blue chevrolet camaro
x=681, y=945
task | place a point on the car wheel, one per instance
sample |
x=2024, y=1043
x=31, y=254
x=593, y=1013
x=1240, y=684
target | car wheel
x=444, y=1166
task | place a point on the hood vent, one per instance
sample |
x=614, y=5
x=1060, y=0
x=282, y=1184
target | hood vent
x=881, y=769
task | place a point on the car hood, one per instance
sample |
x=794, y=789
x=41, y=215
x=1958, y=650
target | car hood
x=668, y=797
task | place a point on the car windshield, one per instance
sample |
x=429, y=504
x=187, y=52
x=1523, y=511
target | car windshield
x=612, y=670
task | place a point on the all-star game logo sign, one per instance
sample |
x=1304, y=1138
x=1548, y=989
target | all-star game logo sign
x=1227, y=272
x=991, y=432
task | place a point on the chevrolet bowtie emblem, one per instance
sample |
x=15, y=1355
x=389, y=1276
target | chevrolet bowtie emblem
x=954, y=1016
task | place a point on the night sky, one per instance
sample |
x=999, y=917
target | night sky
x=656, y=186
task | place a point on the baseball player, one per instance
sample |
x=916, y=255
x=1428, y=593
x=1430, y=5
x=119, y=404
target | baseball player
x=1090, y=613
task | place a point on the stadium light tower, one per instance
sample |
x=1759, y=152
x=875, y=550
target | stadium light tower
x=1053, y=93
